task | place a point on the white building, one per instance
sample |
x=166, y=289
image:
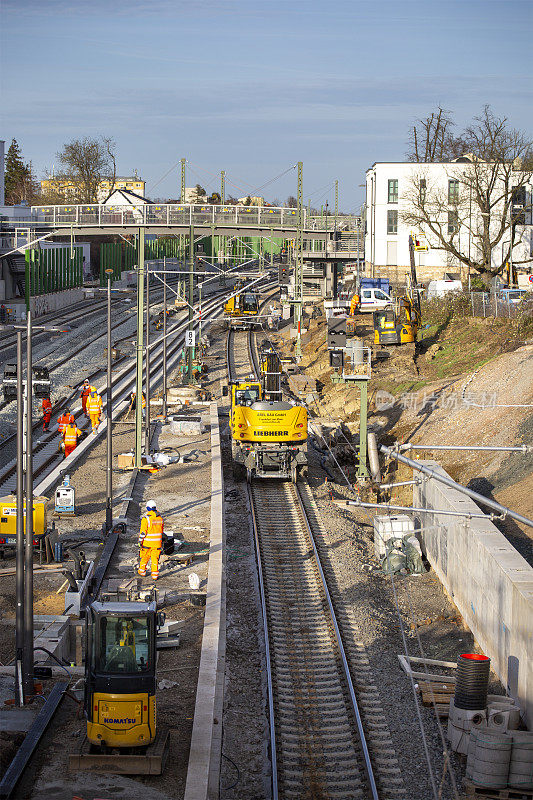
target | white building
x=393, y=191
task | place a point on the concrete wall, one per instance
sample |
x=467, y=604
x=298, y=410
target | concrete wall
x=47, y=302
x=489, y=582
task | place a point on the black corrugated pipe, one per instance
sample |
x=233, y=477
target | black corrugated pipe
x=472, y=681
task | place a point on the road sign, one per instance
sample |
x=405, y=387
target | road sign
x=530, y=279
x=190, y=338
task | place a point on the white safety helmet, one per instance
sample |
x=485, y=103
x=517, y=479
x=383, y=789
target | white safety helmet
x=151, y=505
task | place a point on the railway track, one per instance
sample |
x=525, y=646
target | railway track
x=328, y=734
x=45, y=448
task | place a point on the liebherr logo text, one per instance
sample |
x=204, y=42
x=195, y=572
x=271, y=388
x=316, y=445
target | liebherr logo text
x=108, y=720
x=271, y=433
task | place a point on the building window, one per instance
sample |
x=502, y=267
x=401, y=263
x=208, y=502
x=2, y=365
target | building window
x=422, y=189
x=453, y=222
x=393, y=190
x=392, y=222
x=453, y=192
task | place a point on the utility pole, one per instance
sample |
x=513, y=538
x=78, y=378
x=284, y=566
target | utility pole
x=335, y=263
x=147, y=366
x=182, y=196
x=190, y=332
x=182, y=200
x=165, y=338
x=299, y=272
x=109, y=403
x=140, y=343
x=27, y=683
x=19, y=644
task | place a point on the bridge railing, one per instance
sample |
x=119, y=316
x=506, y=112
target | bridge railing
x=166, y=215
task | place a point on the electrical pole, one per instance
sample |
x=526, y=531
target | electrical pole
x=147, y=366
x=27, y=683
x=222, y=239
x=140, y=343
x=19, y=644
x=190, y=346
x=299, y=272
x=335, y=263
x=182, y=197
x=109, y=404
x=165, y=338
x=182, y=200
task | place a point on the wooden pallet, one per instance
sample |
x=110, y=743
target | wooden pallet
x=483, y=793
x=438, y=693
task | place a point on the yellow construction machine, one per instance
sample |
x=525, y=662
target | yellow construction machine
x=399, y=323
x=269, y=435
x=241, y=310
x=120, y=678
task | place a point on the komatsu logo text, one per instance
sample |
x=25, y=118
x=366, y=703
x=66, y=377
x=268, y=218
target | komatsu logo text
x=125, y=721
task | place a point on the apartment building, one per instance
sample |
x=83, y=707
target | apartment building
x=394, y=191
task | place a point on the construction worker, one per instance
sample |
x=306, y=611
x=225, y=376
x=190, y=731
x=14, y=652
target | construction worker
x=70, y=438
x=47, y=413
x=150, y=540
x=94, y=407
x=85, y=392
x=65, y=419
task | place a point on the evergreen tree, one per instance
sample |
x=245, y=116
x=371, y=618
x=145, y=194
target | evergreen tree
x=20, y=185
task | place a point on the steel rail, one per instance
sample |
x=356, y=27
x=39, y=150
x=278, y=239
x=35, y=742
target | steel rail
x=264, y=617
x=355, y=706
x=344, y=674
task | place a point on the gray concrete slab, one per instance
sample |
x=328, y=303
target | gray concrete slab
x=206, y=742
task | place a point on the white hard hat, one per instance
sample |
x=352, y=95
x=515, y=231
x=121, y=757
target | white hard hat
x=150, y=505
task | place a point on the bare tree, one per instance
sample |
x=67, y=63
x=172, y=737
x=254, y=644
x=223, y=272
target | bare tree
x=479, y=216
x=430, y=139
x=291, y=202
x=84, y=164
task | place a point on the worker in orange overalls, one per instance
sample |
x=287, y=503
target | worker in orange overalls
x=94, y=407
x=86, y=390
x=47, y=413
x=65, y=419
x=70, y=438
x=150, y=540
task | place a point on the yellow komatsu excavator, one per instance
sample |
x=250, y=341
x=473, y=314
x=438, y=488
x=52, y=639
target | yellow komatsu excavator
x=120, y=677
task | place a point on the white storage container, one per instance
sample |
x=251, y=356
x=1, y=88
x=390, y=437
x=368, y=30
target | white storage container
x=386, y=528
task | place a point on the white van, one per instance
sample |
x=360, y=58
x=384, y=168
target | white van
x=442, y=288
x=374, y=300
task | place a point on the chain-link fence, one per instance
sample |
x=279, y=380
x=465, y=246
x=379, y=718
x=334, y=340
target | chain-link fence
x=484, y=304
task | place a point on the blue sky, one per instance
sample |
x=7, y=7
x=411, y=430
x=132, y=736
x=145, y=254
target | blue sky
x=253, y=86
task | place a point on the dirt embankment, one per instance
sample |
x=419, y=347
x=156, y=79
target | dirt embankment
x=469, y=381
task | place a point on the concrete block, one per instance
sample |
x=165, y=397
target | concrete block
x=186, y=425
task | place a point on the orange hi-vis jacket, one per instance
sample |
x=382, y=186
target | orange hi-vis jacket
x=46, y=405
x=151, y=533
x=64, y=420
x=94, y=404
x=70, y=435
